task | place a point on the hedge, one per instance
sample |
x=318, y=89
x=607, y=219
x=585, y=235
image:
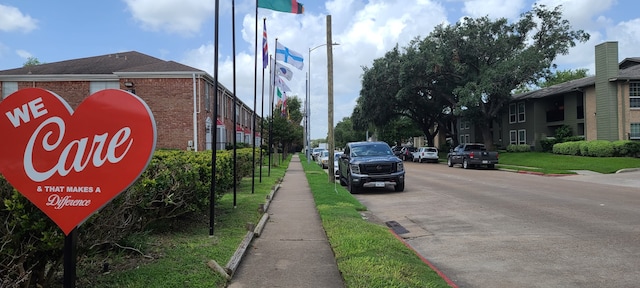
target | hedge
x=174, y=184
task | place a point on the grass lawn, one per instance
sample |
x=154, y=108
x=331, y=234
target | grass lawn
x=550, y=163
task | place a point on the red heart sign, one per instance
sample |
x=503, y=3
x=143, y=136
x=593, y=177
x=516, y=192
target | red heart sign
x=70, y=164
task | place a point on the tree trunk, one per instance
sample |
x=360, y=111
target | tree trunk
x=486, y=136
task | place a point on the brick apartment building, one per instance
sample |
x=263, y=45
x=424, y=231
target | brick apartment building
x=180, y=97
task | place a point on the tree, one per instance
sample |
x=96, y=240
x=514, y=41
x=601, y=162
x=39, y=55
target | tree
x=345, y=133
x=563, y=76
x=496, y=57
x=286, y=130
x=32, y=61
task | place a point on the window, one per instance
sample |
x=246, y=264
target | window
x=512, y=113
x=634, y=94
x=221, y=137
x=522, y=136
x=207, y=98
x=513, y=137
x=96, y=86
x=635, y=131
x=521, y=112
x=8, y=88
x=464, y=138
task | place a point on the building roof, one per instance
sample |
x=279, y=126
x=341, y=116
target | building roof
x=131, y=61
x=629, y=70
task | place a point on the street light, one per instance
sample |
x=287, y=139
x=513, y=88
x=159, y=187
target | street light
x=308, y=104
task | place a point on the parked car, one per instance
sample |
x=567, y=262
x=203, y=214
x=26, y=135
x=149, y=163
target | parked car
x=396, y=150
x=426, y=154
x=470, y=155
x=315, y=152
x=323, y=159
x=406, y=153
x=336, y=158
x=370, y=164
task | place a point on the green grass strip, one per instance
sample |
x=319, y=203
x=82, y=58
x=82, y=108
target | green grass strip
x=367, y=254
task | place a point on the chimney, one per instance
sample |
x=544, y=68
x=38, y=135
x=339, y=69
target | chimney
x=606, y=91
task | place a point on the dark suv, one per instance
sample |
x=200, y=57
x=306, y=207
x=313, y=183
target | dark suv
x=370, y=164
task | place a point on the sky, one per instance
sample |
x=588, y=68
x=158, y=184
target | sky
x=183, y=31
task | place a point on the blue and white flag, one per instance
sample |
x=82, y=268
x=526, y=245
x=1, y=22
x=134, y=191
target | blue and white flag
x=289, y=56
x=283, y=71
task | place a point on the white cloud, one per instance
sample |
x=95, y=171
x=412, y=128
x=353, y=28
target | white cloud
x=24, y=54
x=494, y=8
x=13, y=20
x=180, y=17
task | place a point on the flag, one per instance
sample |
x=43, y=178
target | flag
x=279, y=93
x=289, y=56
x=283, y=71
x=288, y=6
x=265, y=46
x=280, y=84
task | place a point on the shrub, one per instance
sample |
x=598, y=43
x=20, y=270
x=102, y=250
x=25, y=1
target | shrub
x=567, y=148
x=597, y=148
x=547, y=144
x=175, y=184
x=626, y=148
x=518, y=148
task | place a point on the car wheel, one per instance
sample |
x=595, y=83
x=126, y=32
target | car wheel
x=465, y=164
x=399, y=187
x=491, y=166
x=353, y=189
x=449, y=163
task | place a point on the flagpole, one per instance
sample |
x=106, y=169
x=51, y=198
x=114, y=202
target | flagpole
x=235, y=102
x=212, y=188
x=255, y=108
x=264, y=23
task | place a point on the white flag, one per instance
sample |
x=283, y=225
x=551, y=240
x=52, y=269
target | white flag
x=289, y=56
x=280, y=84
x=283, y=71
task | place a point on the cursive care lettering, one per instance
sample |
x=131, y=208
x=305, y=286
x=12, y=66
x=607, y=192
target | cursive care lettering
x=60, y=202
x=80, y=160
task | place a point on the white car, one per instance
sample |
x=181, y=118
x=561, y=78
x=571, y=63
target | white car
x=426, y=154
x=336, y=157
x=323, y=159
x=315, y=152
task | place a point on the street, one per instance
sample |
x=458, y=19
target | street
x=492, y=228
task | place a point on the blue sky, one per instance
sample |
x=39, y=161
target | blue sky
x=183, y=31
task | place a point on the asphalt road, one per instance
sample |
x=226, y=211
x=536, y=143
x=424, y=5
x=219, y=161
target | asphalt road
x=492, y=228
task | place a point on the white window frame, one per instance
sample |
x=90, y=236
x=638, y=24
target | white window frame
x=221, y=136
x=522, y=136
x=521, y=112
x=95, y=86
x=513, y=115
x=8, y=88
x=636, y=135
x=513, y=137
x=634, y=94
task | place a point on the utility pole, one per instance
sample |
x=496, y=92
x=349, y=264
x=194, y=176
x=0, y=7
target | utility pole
x=331, y=143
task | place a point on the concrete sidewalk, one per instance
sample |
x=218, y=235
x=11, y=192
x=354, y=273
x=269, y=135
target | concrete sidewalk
x=292, y=250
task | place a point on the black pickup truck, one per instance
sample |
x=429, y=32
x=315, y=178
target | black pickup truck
x=370, y=164
x=471, y=155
